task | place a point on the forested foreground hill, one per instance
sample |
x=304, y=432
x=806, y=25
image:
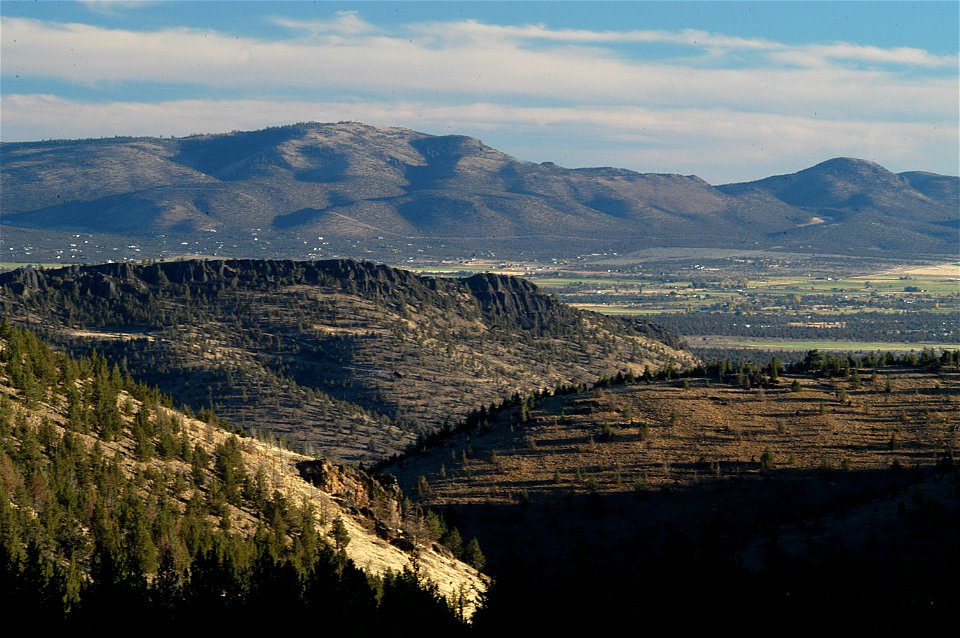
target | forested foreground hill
x=348, y=358
x=118, y=511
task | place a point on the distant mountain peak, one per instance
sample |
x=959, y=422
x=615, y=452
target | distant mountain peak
x=847, y=161
x=851, y=166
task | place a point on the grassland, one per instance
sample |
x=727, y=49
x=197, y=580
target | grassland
x=675, y=434
x=13, y=265
x=797, y=470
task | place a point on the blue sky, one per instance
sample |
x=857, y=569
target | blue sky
x=726, y=91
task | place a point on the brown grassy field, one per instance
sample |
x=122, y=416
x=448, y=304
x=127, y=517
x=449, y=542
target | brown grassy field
x=830, y=467
x=680, y=433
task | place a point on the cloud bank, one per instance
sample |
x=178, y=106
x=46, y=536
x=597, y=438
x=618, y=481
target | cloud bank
x=703, y=99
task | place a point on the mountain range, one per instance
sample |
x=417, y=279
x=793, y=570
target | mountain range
x=310, y=190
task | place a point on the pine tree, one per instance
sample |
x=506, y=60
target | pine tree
x=473, y=556
x=340, y=535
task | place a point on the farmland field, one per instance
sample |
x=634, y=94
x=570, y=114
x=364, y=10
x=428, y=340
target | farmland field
x=759, y=301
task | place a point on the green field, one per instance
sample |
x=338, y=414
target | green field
x=863, y=285
x=624, y=310
x=13, y=265
x=560, y=282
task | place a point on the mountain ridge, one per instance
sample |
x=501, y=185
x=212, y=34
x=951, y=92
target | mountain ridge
x=341, y=355
x=352, y=183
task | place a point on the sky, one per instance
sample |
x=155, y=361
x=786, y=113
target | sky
x=728, y=91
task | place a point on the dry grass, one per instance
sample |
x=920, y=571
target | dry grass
x=664, y=435
x=627, y=467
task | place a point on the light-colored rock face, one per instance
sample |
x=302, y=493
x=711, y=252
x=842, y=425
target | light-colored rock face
x=350, y=494
x=343, y=492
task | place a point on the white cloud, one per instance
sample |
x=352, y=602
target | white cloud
x=475, y=30
x=721, y=97
x=114, y=7
x=805, y=54
x=346, y=23
x=821, y=55
x=374, y=64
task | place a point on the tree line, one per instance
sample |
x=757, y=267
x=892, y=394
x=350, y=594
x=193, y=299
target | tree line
x=913, y=327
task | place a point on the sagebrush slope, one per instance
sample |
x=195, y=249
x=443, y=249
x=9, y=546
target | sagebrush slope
x=349, y=358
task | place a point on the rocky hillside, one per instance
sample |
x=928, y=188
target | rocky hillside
x=100, y=474
x=310, y=190
x=350, y=359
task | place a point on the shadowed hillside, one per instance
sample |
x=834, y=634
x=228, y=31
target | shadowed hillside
x=825, y=492
x=350, y=359
x=863, y=204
